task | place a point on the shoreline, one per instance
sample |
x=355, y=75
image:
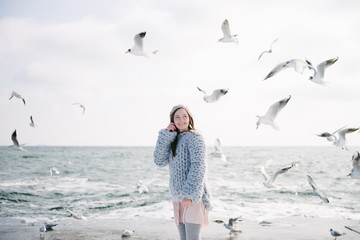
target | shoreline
x=295, y=228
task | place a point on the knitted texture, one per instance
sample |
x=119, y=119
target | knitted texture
x=188, y=168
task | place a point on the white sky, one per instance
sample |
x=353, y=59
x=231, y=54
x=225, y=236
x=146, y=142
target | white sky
x=55, y=53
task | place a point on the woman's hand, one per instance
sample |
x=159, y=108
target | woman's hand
x=171, y=127
x=186, y=202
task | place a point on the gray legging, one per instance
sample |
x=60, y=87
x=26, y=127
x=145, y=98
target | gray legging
x=189, y=231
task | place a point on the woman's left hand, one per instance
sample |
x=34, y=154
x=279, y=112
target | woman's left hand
x=186, y=202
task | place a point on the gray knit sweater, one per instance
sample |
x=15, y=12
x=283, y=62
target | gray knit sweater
x=188, y=168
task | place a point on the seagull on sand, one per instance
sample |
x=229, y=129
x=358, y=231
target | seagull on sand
x=138, y=48
x=269, y=181
x=355, y=172
x=316, y=191
x=230, y=224
x=268, y=51
x=335, y=233
x=319, y=72
x=298, y=65
x=16, y=145
x=272, y=112
x=81, y=106
x=127, y=233
x=340, y=141
x=142, y=187
x=228, y=37
x=32, y=124
x=218, y=153
x=15, y=94
x=215, y=96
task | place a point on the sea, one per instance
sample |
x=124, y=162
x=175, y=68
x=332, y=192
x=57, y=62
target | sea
x=101, y=183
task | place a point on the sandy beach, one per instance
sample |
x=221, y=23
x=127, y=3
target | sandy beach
x=297, y=228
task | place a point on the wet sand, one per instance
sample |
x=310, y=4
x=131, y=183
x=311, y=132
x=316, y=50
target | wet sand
x=297, y=228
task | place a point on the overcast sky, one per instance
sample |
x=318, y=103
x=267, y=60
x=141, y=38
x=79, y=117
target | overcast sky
x=55, y=53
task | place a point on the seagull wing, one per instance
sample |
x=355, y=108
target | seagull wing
x=217, y=145
x=275, y=108
x=325, y=64
x=316, y=191
x=262, y=54
x=273, y=43
x=201, y=90
x=226, y=29
x=345, y=131
x=263, y=172
x=31, y=119
x=280, y=171
x=14, y=139
x=276, y=69
x=138, y=39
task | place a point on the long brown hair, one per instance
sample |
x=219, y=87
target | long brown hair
x=190, y=127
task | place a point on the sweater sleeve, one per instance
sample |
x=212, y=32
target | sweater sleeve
x=163, y=147
x=193, y=188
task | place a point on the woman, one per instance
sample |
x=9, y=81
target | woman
x=183, y=148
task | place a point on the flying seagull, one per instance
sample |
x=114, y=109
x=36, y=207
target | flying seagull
x=316, y=191
x=81, y=106
x=298, y=65
x=138, y=48
x=218, y=151
x=15, y=94
x=272, y=112
x=228, y=37
x=268, y=51
x=142, y=187
x=319, y=72
x=355, y=172
x=335, y=234
x=269, y=181
x=230, y=224
x=16, y=145
x=215, y=96
x=330, y=136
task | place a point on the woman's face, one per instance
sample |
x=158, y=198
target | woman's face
x=181, y=120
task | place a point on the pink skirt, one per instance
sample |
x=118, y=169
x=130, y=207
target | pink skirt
x=196, y=213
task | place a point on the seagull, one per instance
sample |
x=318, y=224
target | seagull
x=53, y=171
x=268, y=51
x=138, y=48
x=330, y=136
x=340, y=141
x=15, y=94
x=335, y=233
x=215, y=96
x=316, y=191
x=269, y=181
x=16, y=145
x=76, y=216
x=298, y=64
x=228, y=37
x=42, y=232
x=127, y=233
x=230, y=225
x=272, y=112
x=32, y=124
x=319, y=72
x=218, y=151
x=141, y=187
x=355, y=172
x=80, y=105
x=49, y=226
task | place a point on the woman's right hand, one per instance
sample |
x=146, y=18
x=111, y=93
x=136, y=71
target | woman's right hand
x=171, y=127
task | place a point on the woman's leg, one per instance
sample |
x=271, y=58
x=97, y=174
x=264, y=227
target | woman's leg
x=181, y=228
x=192, y=231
